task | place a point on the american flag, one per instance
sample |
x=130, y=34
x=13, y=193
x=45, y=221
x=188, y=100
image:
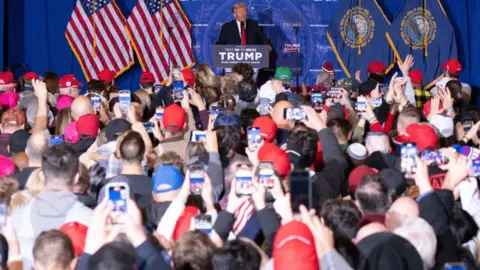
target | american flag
x=96, y=33
x=158, y=48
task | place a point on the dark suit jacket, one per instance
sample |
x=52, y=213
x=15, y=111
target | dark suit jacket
x=230, y=34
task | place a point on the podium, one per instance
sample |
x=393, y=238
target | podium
x=226, y=56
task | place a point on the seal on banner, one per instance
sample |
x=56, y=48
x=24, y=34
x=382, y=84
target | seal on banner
x=357, y=27
x=417, y=26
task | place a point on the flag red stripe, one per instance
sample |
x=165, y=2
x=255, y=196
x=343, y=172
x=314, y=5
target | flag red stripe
x=79, y=51
x=143, y=43
x=110, y=31
x=82, y=40
x=99, y=36
x=175, y=30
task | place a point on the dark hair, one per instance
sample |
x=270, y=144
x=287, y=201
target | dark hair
x=96, y=86
x=193, y=251
x=342, y=216
x=227, y=102
x=463, y=226
x=378, y=78
x=455, y=88
x=247, y=117
x=372, y=195
x=228, y=138
x=246, y=70
x=51, y=79
x=132, y=148
x=306, y=146
x=341, y=127
x=236, y=255
x=246, y=91
x=113, y=101
x=60, y=165
x=147, y=85
x=115, y=255
x=53, y=248
x=83, y=184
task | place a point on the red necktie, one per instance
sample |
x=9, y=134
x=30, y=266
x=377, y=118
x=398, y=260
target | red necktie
x=244, y=36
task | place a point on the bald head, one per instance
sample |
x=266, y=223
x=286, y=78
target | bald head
x=401, y=209
x=278, y=115
x=81, y=105
x=37, y=144
x=368, y=230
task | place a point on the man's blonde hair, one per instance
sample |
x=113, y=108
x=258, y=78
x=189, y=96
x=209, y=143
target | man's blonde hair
x=239, y=5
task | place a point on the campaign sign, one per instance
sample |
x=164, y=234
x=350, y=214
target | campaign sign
x=226, y=56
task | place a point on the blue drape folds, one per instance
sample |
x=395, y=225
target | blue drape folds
x=35, y=32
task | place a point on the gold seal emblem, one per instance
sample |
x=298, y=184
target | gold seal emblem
x=418, y=28
x=357, y=27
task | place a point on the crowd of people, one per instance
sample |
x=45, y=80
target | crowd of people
x=363, y=174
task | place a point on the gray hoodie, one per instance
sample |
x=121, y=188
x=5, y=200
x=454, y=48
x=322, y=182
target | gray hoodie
x=46, y=211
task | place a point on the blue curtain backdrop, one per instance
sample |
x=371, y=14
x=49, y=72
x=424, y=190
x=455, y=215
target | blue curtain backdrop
x=35, y=33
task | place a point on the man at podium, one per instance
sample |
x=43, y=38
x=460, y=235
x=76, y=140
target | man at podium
x=241, y=31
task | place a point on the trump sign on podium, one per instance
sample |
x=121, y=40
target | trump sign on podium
x=226, y=56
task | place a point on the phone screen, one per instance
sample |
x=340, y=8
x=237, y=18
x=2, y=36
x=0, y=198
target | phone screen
x=361, y=104
x=377, y=102
x=96, y=103
x=198, y=136
x=178, y=90
x=476, y=168
x=176, y=74
x=265, y=174
x=244, y=183
x=203, y=223
x=117, y=194
x=254, y=138
x=54, y=140
x=409, y=158
x=197, y=179
x=294, y=114
x=125, y=100
x=3, y=215
x=300, y=190
x=148, y=127
x=455, y=266
x=264, y=103
x=434, y=158
x=159, y=112
x=157, y=88
x=317, y=101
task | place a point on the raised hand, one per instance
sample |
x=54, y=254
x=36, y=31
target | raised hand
x=407, y=65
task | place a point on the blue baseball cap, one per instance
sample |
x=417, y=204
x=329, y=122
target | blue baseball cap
x=227, y=119
x=167, y=178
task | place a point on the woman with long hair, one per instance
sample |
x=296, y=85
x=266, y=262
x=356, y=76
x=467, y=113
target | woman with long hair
x=207, y=83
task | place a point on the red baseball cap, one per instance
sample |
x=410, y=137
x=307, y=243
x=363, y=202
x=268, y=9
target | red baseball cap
x=452, y=66
x=416, y=76
x=356, y=176
x=428, y=106
x=77, y=233
x=30, y=76
x=294, y=248
x=107, y=75
x=423, y=135
x=377, y=68
x=173, y=117
x=188, y=76
x=69, y=80
x=6, y=78
x=328, y=67
x=88, y=125
x=273, y=153
x=268, y=128
x=147, y=77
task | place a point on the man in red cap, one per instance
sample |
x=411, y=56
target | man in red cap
x=268, y=128
x=376, y=71
x=7, y=81
x=421, y=96
x=108, y=77
x=147, y=81
x=452, y=70
x=69, y=85
x=175, y=128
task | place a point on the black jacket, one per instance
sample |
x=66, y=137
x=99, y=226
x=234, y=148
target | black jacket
x=329, y=183
x=230, y=34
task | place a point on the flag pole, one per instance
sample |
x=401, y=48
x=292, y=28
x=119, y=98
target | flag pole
x=425, y=45
x=161, y=24
x=360, y=39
